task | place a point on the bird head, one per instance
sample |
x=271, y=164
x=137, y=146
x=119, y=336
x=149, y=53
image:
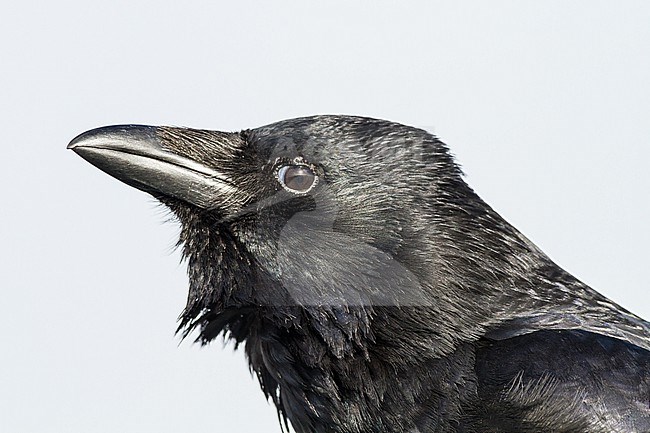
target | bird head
x=330, y=223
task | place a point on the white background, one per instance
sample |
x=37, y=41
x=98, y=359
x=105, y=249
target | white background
x=545, y=103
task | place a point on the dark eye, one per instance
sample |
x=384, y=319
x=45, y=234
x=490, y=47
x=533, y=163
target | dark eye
x=297, y=178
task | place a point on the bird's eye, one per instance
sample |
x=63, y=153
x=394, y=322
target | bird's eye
x=298, y=179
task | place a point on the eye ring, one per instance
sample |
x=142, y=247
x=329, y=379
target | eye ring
x=297, y=178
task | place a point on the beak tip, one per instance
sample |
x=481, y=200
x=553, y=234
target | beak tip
x=76, y=141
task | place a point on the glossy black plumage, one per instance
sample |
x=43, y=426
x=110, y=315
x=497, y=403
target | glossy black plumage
x=389, y=297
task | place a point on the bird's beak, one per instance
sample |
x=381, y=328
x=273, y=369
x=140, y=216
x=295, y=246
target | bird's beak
x=138, y=156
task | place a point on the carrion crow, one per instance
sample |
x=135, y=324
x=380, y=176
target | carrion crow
x=373, y=290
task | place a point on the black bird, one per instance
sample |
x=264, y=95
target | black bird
x=373, y=290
